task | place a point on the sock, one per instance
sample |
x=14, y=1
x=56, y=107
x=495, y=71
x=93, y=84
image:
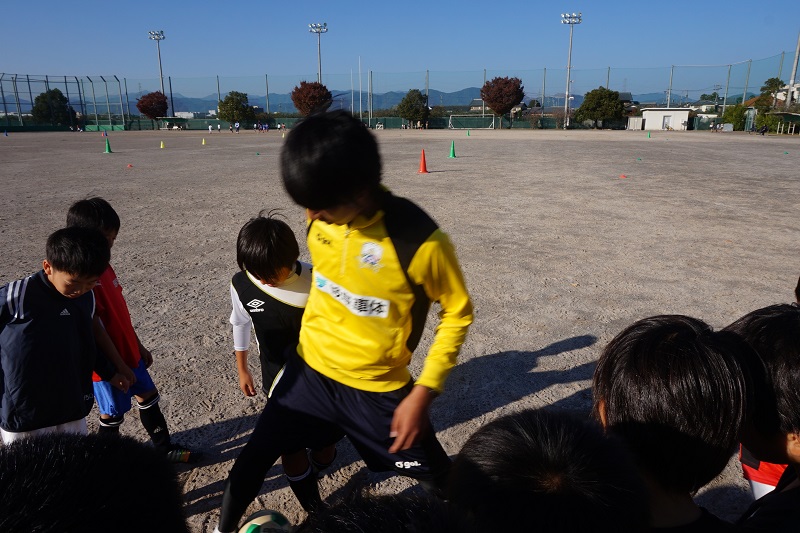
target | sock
x=109, y=427
x=153, y=421
x=306, y=490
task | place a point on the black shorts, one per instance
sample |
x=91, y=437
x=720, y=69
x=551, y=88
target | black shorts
x=310, y=410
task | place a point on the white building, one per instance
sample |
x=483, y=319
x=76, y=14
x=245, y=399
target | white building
x=666, y=118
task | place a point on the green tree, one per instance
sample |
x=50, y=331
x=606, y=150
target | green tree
x=735, y=115
x=414, y=106
x=600, y=104
x=714, y=97
x=771, y=87
x=236, y=108
x=310, y=97
x=153, y=105
x=52, y=107
x=502, y=94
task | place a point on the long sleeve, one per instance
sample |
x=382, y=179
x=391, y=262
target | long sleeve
x=435, y=266
x=241, y=322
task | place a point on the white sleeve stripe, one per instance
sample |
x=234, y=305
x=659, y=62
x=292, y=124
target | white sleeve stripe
x=16, y=297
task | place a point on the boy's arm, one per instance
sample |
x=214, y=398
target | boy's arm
x=147, y=357
x=434, y=266
x=242, y=324
x=246, y=382
x=106, y=346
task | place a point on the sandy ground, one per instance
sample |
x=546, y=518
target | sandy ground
x=560, y=252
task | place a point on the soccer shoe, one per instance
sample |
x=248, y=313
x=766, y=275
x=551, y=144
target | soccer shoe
x=178, y=454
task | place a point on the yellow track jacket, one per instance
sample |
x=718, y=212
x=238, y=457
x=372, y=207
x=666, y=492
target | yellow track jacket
x=358, y=327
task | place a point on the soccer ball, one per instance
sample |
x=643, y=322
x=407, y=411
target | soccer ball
x=266, y=521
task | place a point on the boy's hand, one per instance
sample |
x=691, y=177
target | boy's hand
x=128, y=374
x=246, y=383
x=147, y=357
x=120, y=382
x=411, y=420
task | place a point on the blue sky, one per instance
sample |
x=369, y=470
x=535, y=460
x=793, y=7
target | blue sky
x=248, y=38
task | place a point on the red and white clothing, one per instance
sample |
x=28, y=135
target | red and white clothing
x=113, y=313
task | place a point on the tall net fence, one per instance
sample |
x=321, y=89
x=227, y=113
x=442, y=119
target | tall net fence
x=110, y=100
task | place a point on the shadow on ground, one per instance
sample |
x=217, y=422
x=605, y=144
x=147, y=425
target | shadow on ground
x=475, y=388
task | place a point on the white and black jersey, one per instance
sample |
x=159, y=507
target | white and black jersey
x=275, y=313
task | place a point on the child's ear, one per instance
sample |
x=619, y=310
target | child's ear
x=48, y=268
x=601, y=412
x=793, y=447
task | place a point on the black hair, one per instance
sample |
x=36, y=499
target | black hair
x=68, y=482
x=677, y=393
x=266, y=245
x=363, y=512
x=93, y=213
x=328, y=159
x=78, y=251
x=774, y=332
x=548, y=471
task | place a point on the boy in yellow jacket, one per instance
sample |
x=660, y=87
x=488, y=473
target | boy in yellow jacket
x=379, y=261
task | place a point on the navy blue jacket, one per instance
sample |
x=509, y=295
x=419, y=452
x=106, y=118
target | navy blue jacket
x=47, y=354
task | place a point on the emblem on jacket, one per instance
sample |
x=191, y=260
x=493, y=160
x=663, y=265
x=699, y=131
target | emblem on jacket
x=371, y=255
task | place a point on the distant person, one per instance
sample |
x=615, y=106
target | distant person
x=539, y=470
x=236, y=125
x=112, y=310
x=677, y=393
x=47, y=347
x=230, y=127
x=269, y=294
x=210, y=129
x=88, y=483
x=219, y=127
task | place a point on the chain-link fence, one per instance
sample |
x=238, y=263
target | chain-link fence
x=109, y=102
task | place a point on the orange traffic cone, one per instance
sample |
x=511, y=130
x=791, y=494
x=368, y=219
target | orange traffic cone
x=423, y=168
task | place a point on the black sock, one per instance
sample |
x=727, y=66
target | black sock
x=109, y=427
x=153, y=421
x=306, y=490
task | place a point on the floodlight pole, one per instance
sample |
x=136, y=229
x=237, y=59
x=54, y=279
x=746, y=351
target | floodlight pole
x=158, y=36
x=566, y=18
x=319, y=29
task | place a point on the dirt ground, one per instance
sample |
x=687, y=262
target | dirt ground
x=564, y=237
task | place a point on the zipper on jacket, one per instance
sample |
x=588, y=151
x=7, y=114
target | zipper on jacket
x=344, y=251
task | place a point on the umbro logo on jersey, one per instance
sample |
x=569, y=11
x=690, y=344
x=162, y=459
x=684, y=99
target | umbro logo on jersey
x=65, y=313
x=255, y=305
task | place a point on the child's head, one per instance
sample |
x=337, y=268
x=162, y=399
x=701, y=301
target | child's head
x=267, y=248
x=675, y=391
x=330, y=159
x=68, y=482
x=76, y=257
x=545, y=470
x=95, y=213
x=774, y=332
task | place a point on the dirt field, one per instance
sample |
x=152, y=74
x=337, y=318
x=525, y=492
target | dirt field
x=564, y=237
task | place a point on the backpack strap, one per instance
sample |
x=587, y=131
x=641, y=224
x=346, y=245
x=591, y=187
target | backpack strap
x=408, y=227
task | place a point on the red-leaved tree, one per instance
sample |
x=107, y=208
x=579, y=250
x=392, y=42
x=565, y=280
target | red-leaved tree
x=153, y=105
x=502, y=94
x=310, y=97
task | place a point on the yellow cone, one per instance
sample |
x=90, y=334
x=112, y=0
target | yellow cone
x=162, y=144
x=204, y=142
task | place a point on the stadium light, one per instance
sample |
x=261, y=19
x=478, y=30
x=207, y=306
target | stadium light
x=566, y=18
x=319, y=29
x=158, y=36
